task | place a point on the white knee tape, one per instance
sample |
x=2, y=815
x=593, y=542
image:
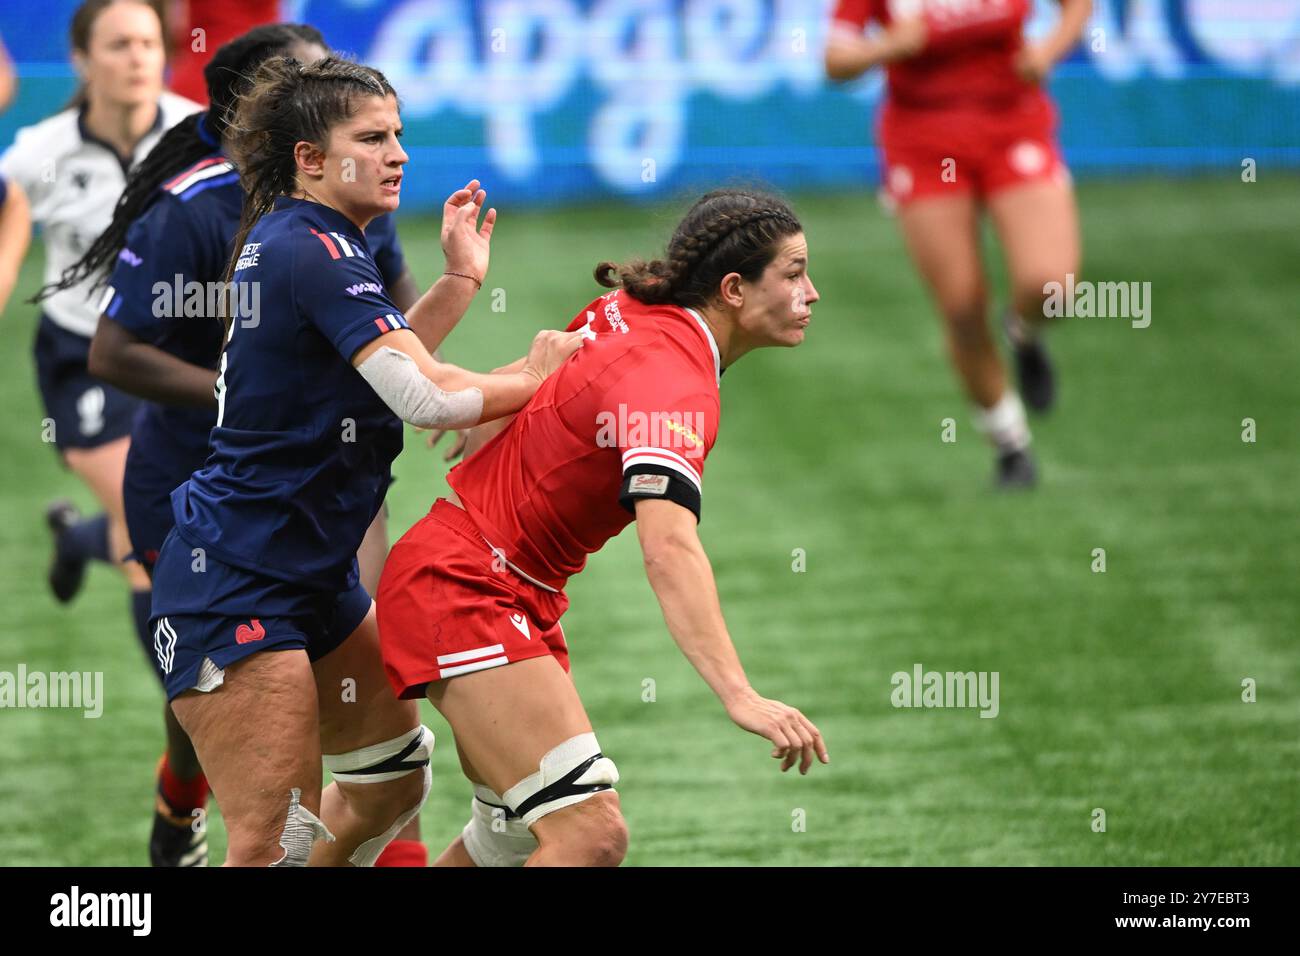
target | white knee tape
x=494, y=836
x=302, y=828
x=368, y=852
x=380, y=763
x=569, y=774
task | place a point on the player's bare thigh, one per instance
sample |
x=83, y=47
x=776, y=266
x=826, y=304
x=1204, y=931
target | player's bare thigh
x=256, y=736
x=506, y=719
x=359, y=709
x=1037, y=225
x=357, y=704
x=943, y=239
x=374, y=550
x=456, y=854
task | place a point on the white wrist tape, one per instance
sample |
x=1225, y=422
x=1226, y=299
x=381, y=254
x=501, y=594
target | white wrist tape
x=413, y=398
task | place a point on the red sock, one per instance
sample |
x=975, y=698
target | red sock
x=404, y=853
x=182, y=796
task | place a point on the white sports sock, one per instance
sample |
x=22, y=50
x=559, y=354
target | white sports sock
x=1018, y=330
x=1004, y=423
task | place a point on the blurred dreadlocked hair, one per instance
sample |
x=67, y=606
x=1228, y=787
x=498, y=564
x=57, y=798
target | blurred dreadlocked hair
x=727, y=230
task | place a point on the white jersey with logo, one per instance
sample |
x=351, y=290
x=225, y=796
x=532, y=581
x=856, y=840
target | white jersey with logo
x=73, y=181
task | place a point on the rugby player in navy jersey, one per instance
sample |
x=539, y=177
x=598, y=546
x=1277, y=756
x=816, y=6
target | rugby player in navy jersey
x=167, y=246
x=319, y=369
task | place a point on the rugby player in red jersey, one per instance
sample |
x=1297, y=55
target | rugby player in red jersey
x=966, y=126
x=471, y=597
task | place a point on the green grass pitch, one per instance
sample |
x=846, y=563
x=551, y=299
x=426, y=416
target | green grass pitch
x=1119, y=690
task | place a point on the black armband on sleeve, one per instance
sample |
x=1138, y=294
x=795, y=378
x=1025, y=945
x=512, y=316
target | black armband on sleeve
x=652, y=481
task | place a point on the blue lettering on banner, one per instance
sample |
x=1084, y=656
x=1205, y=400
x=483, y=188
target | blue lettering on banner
x=548, y=100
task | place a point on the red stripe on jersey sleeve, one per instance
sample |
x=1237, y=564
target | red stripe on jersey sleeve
x=329, y=243
x=663, y=455
x=192, y=170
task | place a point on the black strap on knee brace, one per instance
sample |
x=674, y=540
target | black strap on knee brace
x=564, y=787
x=398, y=761
x=506, y=811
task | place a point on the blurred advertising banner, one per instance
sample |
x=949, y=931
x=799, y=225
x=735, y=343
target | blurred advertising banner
x=553, y=100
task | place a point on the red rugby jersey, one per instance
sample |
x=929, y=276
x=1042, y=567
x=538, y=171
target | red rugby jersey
x=221, y=21
x=968, y=55
x=635, y=407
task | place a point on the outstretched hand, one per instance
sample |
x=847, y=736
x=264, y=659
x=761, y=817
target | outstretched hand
x=793, y=736
x=465, y=244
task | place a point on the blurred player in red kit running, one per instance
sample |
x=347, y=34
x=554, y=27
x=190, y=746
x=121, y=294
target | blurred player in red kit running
x=200, y=28
x=966, y=127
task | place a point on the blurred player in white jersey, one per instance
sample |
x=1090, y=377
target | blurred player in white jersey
x=71, y=168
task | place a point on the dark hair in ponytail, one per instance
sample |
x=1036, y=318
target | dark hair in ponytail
x=288, y=103
x=727, y=230
x=227, y=75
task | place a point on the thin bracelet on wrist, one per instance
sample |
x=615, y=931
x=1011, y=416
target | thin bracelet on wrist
x=465, y=275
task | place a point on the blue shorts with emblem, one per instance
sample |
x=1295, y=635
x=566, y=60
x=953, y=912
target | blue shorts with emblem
x=207, y=615
x=87, y=412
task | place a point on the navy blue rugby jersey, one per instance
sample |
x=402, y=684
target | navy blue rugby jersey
x=158, y=289
x=299, y=459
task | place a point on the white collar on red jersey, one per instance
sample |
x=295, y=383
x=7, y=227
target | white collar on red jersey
x=713, y=344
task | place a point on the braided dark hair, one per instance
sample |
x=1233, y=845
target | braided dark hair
x=227, y=74
x=727, y=230
x=289, y=103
